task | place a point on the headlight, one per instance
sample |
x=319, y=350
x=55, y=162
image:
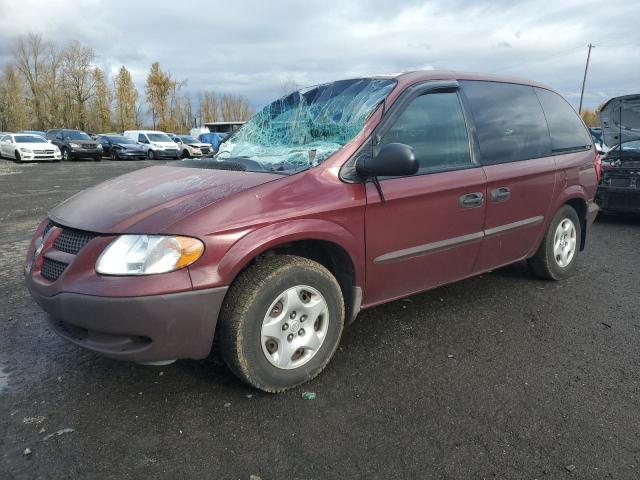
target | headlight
x=26, y=150
x=148, y=254
x=74, y=145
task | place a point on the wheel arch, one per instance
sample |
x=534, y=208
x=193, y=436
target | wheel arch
x=322, y=241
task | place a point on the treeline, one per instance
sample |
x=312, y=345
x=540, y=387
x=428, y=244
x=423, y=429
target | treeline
x=47, y=85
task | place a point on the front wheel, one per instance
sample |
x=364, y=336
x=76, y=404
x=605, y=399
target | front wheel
x=151, y=155
x=17, y=156
x=185, y=153
x=281, y=322
x=557, y=255
x=65, y=154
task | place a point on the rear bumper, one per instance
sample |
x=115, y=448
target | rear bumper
x=141, y=329
x=618, y=199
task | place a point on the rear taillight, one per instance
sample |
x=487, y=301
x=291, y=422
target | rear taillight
x=598, y=165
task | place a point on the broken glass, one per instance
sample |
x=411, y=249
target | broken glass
x=304, y=128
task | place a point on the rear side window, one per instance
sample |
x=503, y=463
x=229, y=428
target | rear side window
x=567, y=130
x=509, y=121
x=433, y=124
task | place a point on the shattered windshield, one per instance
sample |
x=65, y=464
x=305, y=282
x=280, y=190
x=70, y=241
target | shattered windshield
x=304, y=128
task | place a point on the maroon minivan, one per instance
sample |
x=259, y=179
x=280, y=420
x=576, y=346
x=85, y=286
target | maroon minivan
x=332, y=199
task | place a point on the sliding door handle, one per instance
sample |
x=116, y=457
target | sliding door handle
x=500, y=194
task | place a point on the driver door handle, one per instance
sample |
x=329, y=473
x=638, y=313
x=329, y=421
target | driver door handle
x=471, y=200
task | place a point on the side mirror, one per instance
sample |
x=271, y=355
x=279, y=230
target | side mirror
x=393, y=160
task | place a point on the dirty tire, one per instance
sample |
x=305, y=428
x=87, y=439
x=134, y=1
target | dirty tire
x=247, y=303
x=543, y=263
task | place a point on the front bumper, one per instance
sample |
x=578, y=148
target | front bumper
x=138, y=155
x=167, y=153
x=141, y=329
x=78, y=153
x=51, y=157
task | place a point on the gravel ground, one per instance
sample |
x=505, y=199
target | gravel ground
x=501, y=376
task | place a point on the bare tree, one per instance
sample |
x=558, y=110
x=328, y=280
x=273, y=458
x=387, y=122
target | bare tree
x=13, y=111
x=78, y=79
x=31, y=55
x=208, y=106
x=235, y=108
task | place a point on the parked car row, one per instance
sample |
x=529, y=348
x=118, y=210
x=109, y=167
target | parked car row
x=68, y=144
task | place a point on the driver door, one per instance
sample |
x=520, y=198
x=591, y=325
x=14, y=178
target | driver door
x=429, y=228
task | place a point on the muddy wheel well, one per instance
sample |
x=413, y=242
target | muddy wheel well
x=580, y=207
x=332, y=256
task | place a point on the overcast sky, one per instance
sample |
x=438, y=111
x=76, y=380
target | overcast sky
x=252, y=46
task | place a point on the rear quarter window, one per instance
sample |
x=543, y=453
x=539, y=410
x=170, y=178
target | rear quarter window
x=567, y=130
x=510, y=124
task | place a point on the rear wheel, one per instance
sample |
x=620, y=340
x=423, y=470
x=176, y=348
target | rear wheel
x=558, y=253
x=281, y=322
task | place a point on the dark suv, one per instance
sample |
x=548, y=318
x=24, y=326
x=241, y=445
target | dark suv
x=75, y=144
x=330, y=200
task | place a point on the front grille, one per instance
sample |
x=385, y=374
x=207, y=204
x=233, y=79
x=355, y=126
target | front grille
x=90, y=146
x=72, y=241
x=43, y=152
x=52, y=269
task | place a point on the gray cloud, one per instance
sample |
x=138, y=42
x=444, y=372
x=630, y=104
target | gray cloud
x=251, y=46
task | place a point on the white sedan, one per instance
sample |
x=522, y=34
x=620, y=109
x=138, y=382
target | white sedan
x=23, y=147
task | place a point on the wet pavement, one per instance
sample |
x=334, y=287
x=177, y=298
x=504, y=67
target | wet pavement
x=501, y=376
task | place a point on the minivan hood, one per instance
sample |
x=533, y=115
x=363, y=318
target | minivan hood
x=611, y=114
x=152, y=199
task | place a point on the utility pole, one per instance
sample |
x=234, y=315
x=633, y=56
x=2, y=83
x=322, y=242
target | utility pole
x=584, y=79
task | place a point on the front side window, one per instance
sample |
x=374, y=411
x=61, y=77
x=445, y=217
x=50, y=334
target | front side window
x=433, y=124
x=566, y=129
x=142, y=138
x=509, y=121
